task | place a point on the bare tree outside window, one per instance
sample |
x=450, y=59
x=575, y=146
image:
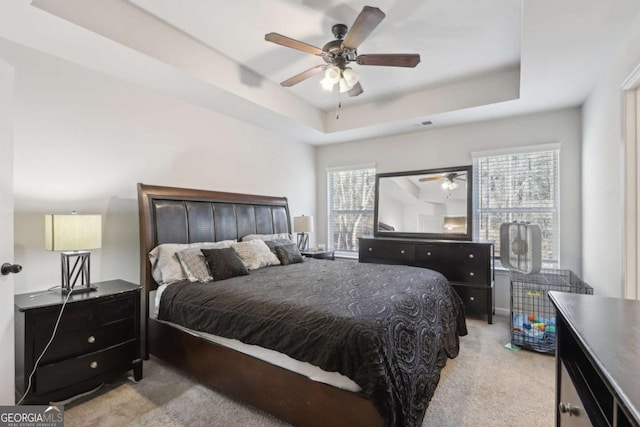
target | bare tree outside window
x=351, y=196
x=519, y=187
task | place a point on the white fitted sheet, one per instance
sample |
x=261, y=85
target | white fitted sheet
x=310, y=371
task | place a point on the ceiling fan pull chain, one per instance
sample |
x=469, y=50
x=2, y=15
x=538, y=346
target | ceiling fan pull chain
x=339, y=107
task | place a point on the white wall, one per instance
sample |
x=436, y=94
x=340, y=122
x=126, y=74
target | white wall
x=453, y=146
x=84, y=140
x=602, y=203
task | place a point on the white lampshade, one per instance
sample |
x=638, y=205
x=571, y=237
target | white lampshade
x=344, y=86
x=327, y=84
x=332, y=74
x=350, y=76
x=303, y=224
x=72, y=232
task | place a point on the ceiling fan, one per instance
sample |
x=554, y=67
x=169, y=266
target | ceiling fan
x=337, y=54
x=449, y=179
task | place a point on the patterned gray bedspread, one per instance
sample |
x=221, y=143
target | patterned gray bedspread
x=389, y=328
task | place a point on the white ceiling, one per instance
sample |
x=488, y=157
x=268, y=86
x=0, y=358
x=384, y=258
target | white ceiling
x=481, y=59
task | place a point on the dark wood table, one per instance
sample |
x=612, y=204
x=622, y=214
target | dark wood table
x=597, y=360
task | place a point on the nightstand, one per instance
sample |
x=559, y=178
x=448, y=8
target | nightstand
x=319, y=254
x=98, y=338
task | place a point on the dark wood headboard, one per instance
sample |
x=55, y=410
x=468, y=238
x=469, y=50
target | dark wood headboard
x=182, y=215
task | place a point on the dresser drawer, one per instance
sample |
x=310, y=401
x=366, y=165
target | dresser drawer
x=573, y=413
x=70, y=371
x=458, y=263
x=85, y=341
x=475, y=299
x=395, y=251
x=476, y=274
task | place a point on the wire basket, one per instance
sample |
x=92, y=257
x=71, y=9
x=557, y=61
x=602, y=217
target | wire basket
x=533, y=317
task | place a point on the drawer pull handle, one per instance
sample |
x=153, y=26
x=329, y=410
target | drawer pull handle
x=91, y=339
x=470, y=255
x=370, y=249
x=428, y=253
x=568, y=408
x=94, y=365
x=402, y=251
x=472, y=298
x=471, y=273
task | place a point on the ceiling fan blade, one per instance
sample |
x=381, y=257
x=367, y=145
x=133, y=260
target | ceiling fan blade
x=302, y=76
x=365, y=23
x=430, y=178
x=355, y=90
x=293, y=44
x=390, y=59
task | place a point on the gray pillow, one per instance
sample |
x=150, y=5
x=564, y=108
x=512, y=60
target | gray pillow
x=286, y=251
x=224, y=263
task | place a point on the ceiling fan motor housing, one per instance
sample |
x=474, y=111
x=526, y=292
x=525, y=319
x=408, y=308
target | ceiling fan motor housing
x=339, y=31
x=521, y=247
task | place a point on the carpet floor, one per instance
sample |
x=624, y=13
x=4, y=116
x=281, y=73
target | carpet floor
x=486, y=385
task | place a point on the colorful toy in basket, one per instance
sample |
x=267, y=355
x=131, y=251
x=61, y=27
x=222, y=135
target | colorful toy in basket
x=534, y=326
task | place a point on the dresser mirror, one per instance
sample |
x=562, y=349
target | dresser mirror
x=428, y=204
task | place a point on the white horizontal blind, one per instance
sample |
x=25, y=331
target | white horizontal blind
x=350, y=201
x=521, y=187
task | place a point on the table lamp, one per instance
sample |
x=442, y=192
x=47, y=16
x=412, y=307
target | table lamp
x=73, y=235
x=303, y=225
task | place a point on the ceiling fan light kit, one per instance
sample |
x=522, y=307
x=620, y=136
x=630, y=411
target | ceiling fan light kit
x=338, y=53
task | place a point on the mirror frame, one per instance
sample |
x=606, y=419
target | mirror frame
x=438, y=236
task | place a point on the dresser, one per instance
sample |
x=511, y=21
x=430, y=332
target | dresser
x=467, y=265
x=98, y=337
x=597, y=360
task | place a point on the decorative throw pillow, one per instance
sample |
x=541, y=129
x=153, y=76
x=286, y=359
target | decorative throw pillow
x=165, y=265
x=224, y=263
x=194, y=264
x=288, y=253
x=255, y=254
x=277, y=242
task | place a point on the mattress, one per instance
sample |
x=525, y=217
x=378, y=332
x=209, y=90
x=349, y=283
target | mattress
x=276, y=358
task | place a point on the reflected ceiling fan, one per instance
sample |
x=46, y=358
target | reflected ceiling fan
x=448, y=179
x=339, y=53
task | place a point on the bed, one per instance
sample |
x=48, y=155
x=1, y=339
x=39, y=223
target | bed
x=393, y=385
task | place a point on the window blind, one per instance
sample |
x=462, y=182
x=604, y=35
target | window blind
x=350, y=202
x=523, y=187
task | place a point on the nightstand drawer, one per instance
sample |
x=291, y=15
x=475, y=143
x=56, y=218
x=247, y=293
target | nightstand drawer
x=86, y=341
x=77, y=317
x=71, y=371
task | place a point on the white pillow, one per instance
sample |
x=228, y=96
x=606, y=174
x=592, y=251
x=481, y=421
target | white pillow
x=165, y=265
x=267, y=237
x=255, y=254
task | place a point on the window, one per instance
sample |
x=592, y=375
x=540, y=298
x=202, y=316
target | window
x=518, y=186
x=350, y=202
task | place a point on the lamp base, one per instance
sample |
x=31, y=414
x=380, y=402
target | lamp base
x=303, y=241
x=79, y=272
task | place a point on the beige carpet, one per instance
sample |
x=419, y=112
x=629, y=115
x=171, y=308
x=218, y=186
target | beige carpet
x=486, y=385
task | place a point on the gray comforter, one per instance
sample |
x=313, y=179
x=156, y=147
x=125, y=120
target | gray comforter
x=389, y=328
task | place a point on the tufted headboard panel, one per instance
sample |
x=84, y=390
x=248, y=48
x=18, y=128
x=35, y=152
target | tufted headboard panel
x=185, y=221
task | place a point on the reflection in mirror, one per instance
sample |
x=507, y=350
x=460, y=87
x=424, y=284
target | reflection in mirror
x=429, y=203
